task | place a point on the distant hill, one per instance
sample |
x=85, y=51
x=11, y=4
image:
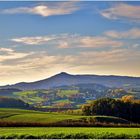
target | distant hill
x=66, y=79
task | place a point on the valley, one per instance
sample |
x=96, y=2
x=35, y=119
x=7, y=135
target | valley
x=81, y=107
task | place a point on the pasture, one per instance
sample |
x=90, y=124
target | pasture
x=44, y=118
x=21, y=118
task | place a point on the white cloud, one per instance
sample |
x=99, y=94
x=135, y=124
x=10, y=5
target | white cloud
x=113, y=57
x=32, y=40
x=133, y=33
x=42, y=60
x=45, y=10
x=122, y=11
x=71, y=41
x=10, y=54
x=6, y=50
x=63, y=45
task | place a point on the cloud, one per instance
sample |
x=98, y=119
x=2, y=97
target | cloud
x=10, y=54
x=115, y=56
x=70, y=41
x=122, y=11
x=6, y=51
x=43, y=61
x=45, y=10
x=63, y=45
x=97, y=42
x=32, y=40
x=133, y=33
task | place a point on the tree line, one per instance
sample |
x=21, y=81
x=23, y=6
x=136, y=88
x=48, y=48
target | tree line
x=123, y=108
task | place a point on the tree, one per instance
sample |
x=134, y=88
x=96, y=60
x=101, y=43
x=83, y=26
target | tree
x=127, y=98
x=86, y=109
x=113, y=107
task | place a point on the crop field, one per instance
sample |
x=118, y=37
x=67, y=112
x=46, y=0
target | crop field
x=69, y=132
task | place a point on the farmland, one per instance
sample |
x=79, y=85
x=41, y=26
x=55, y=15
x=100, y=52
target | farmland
x=38, y=123
x=28, y=116
x=67, y=96
x=18, y=115
x=68, y=132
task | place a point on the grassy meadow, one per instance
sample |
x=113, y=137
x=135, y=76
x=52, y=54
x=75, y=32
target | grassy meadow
x=46, y=118
x=36, y=122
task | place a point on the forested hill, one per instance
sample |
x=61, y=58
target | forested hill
x=62, y=79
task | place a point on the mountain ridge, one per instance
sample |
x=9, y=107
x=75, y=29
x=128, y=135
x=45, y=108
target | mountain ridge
x=64, y=78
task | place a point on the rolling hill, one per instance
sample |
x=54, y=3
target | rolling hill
x=20, y=117
x=67, y=96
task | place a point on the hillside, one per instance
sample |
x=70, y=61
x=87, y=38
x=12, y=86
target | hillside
x=68, y=96
x=62, y=79
x=8, y=102
x=8, y=92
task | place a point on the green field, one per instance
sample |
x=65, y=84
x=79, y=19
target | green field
x=67, y=92
x=35, y=97
x=30, y=116
x=18, y=115
x=69, y=132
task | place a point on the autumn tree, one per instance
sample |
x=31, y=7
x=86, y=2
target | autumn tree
x=127, y=98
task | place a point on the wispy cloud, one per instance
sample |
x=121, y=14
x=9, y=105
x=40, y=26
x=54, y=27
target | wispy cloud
x=6, y=50
x=70, y=41
x=45, y=10
x=97, y=42
x=10, y=54
x=133, y=33
x=122, y=11
x=33, y=40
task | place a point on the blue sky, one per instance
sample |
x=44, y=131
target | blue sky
x=41, y=39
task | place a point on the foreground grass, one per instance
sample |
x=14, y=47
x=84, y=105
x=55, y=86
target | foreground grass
x=69, y=132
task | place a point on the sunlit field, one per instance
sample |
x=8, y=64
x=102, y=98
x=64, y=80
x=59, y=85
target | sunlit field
x=69, y=132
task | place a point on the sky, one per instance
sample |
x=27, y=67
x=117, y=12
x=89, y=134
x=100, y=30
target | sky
x=40, y=39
